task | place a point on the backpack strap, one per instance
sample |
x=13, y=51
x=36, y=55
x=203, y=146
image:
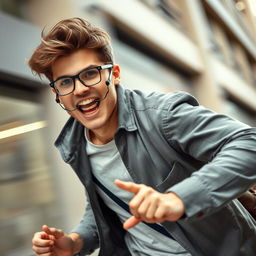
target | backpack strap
x=122, y=204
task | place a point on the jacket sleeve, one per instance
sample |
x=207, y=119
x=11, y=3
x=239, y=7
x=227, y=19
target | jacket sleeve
x=227, y=146
x=88, y=232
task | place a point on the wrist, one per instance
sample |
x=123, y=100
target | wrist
x=178, y=202
x=77, y=242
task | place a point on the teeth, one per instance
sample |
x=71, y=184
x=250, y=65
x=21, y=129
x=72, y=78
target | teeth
x=87, y=105
x=85, y=102
x=88, y=108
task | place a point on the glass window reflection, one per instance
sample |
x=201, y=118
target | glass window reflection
x=26, y=190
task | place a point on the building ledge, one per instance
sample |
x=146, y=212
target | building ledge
x=233, y=84
x=164, y=38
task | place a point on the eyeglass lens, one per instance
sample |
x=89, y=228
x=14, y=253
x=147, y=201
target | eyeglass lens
x=88, y=77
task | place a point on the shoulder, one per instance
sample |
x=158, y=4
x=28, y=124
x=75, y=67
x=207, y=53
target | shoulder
x=156, y=100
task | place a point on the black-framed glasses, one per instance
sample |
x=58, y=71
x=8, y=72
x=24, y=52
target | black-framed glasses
x=91, y=76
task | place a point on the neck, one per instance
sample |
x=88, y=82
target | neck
x=103, y=136
x=99, y=139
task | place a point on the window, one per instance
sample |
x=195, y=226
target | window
x=172, y=10
x=236, y=110
x=214, y=38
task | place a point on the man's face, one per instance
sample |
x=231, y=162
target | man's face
x=100, y=117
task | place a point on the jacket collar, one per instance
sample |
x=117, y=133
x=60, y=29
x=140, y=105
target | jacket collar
x=72, y=134
x=125, y=111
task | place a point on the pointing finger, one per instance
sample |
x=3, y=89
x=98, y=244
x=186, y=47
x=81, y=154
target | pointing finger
x=128, y=186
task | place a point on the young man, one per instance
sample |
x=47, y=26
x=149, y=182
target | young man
x=175, y=165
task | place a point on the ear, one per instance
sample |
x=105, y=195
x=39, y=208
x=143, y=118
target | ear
x=57, y=97
x=116, y=74
x=53, y=90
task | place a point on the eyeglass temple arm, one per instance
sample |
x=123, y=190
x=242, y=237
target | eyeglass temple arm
x=109, y=77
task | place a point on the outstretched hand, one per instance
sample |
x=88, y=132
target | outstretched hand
x=150, y=205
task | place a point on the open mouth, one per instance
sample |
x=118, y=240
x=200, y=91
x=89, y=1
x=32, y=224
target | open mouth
x=88, y=106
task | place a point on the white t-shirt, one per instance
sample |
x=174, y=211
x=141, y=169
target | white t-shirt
x=141, y=240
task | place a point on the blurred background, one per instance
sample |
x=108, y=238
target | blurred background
x=204, y=47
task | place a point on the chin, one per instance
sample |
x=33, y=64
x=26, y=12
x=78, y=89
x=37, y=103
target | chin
x=92, y=125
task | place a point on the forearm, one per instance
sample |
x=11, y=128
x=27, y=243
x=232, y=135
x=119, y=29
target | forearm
x=214, y=185
x=227, y=148
x=86, y=231
x=77, y=242
x=230, y=171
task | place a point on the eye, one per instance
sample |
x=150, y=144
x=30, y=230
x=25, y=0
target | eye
x=65, y=82
x=89, y=74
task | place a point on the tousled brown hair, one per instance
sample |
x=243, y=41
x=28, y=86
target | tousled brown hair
x=66, y=37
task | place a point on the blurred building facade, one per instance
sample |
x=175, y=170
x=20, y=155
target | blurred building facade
x=204, y=47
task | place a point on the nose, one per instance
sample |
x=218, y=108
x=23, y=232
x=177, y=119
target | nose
x=80, y=89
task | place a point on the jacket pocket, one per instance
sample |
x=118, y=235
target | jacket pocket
x=176, y=175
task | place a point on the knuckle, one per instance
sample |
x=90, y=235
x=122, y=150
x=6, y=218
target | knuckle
x=151, y=192
x=37, y=234
x=147, y=189
x=141, y=211
x=132, y=205
x=34, y=240
x=155, y=196
x=157, y=215
x=166, y=205
x=135, y=214
x=149, y=216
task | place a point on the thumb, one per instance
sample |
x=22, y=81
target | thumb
x=131, y=222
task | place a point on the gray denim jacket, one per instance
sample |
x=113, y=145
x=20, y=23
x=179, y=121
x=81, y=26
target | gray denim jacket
x=169, y=142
